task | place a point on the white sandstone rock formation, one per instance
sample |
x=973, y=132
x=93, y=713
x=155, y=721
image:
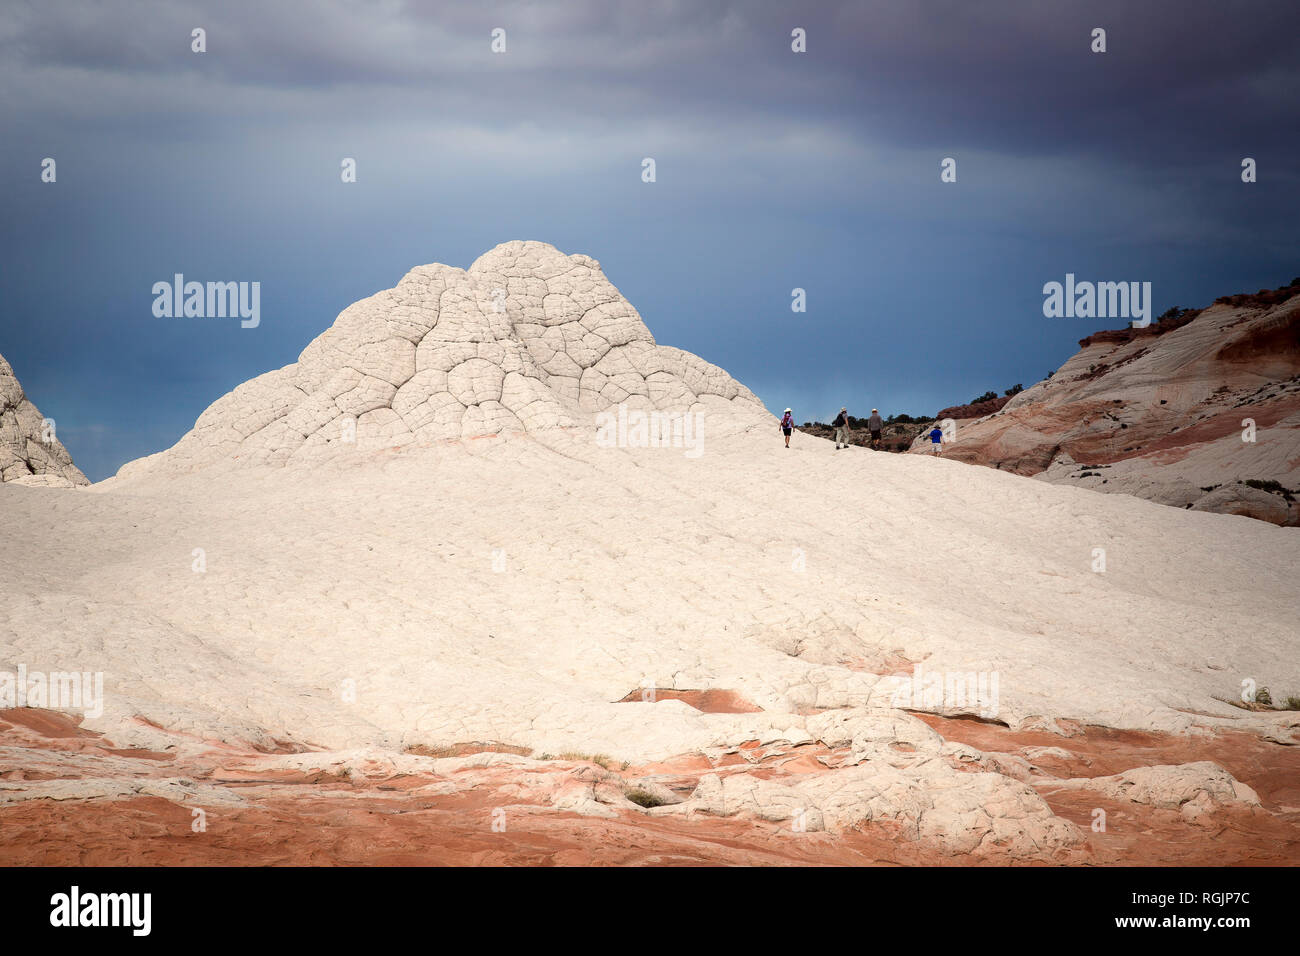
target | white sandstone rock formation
x=468, y=587
x=897, y=770
x=25, y=455
x=526, y=339
x=961, y=812
x=1203, y=784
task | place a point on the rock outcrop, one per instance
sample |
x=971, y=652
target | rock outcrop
x=1201, y=411
x=621, y=645
x=526, y=339
x=26, y=456
x=1193, y=787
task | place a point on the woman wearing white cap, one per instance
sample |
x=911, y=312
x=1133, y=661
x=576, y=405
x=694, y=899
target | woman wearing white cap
x=787, y=426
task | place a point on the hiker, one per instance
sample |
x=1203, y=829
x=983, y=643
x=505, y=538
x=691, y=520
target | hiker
x=875, y=423
x=841, y=425
x=936, y=439
x=787, y=426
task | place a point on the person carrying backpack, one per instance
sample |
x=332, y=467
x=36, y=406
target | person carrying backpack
x=787, y=426
x=841, y=425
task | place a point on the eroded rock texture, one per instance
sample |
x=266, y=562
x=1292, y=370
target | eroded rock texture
x=25, y=456
x=526, y=339
x=1204, y=414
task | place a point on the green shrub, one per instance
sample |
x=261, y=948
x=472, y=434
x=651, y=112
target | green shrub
x=1272, y=487
x=643, y=798
x=600, y=760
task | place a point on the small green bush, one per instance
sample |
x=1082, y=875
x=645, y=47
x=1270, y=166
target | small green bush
x=600, y=760
x=1272, y=487
x=643, y=798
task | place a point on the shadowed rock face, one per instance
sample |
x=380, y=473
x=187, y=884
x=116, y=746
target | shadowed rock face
x=25, y=457
x=1165, y=415
x=526, y=339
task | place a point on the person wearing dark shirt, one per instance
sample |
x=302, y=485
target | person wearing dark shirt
x=875, y=423
x=841, y=424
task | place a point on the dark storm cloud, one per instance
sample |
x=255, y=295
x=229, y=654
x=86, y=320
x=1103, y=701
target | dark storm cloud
x=1178, y=81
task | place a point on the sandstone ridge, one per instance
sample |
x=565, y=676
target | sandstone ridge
x=1201, y=411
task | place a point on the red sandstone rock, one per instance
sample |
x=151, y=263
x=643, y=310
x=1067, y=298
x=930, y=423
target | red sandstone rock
x=1188, y=413
x=116, y=808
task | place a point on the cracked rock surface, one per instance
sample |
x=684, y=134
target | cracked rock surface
x=25, y=456
x=476, y=567
x=526, y=339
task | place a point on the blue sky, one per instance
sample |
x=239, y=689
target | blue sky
x=775, y=170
